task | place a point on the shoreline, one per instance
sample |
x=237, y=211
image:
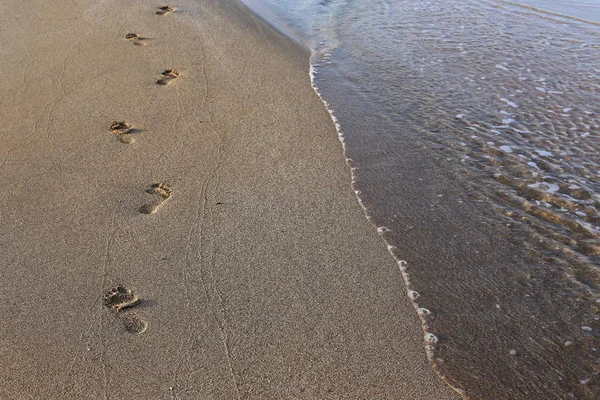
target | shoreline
x=512, y=315
x=256, y=272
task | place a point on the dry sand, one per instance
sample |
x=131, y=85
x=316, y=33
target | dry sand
x=259, y=276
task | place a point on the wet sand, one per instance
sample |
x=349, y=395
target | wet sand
x=189, y=235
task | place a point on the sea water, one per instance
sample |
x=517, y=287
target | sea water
x=472, y=129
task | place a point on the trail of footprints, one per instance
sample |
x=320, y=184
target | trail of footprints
x=120, y=299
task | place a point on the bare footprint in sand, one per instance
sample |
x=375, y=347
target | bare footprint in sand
x=120, y=297
x=123, y=131
x=169, y=75
x=162, y=191
x=165, y=10
x=135, y=39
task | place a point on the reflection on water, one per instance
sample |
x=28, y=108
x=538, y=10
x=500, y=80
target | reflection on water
x=585, y=9
x=472, y=126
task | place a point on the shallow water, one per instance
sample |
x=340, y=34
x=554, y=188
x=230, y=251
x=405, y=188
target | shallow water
x=487, y=115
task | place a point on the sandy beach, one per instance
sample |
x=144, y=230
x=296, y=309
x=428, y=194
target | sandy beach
x=221, y=203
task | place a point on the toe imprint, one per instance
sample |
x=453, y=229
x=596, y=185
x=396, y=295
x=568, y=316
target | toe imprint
x=170, y=72
x=120, y=127
x=160, y=189
x=164, y=10
x=120, y=297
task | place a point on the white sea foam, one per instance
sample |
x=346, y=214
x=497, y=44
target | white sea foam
x=431, y=339
x=547, y=187
x=510, y=103
x=544, y=153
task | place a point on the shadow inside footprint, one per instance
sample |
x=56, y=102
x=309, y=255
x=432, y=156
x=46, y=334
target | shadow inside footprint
x=162, y=191
x=134, y=324
x=169, y=75
x=120, y=297
x=164, y=10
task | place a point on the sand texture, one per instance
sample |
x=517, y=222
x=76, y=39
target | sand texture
x=178, y=221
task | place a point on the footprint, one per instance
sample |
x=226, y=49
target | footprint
x=135, y=39
x=120, y=297
x=134, y=324
x=165, y=10
x=162, y=191
x=122, y=130
x=169, y=75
